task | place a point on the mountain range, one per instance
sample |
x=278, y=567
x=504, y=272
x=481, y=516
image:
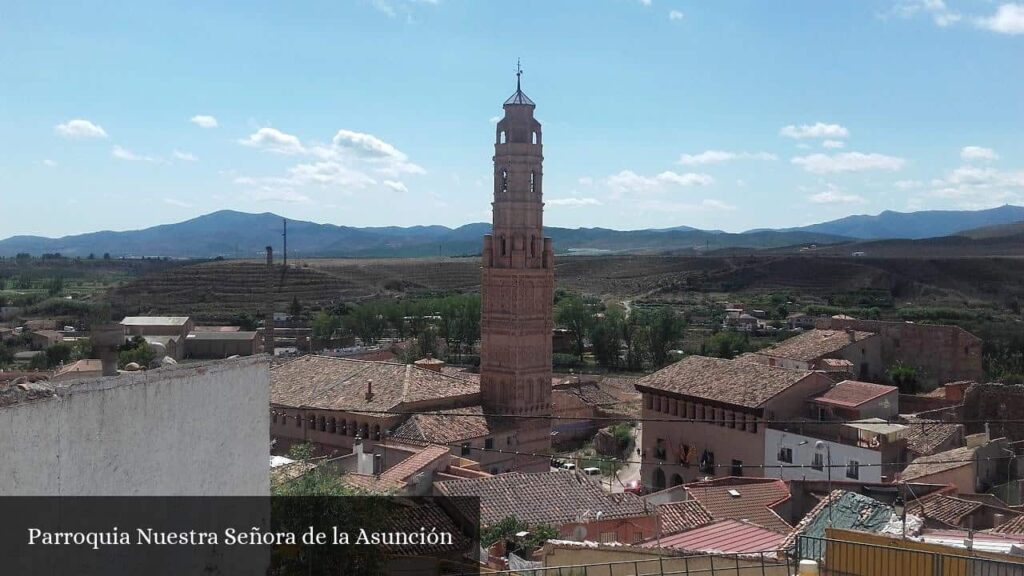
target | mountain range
x=229, y=233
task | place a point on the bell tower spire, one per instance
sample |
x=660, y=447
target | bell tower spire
x=517, y=287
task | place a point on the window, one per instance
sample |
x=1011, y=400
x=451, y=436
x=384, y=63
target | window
x=508, y=441
x=737, y=467
x=659, y=479
x=489, y=443
x=312, y=422
x=275, y=417
x=650, y=401
x=684, y=455
x=502, y=136
x=707, y=462
x=721, y=417
x=533, y=182
x=637, y=537
x=343, y=430
x=732, y=419
x=466, y=449
x=818, y=462
x=504, y=180
x=853, y=470
x=323, y=424
x=675, y=407
x=659, y=449
x=608, y=537
x=332, y=426
x=376, y=432
x=785, y=454
x=494, y=471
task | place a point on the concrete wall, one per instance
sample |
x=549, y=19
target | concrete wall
x=199, y=429
x=870, y=460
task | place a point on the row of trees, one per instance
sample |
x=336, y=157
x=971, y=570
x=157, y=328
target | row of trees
x=619, y=338
x=453, y=319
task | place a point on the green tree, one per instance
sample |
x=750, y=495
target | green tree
x=245, y=321
x=666, y=329
x=575, y=315
x=636, y=341
x=59, y=353
x=507, y=530
x=725, y=344
x=606, y=337
x=325, y=325
x=904, y=377
x=295, y=308
x=137, y=351
x=366, y=323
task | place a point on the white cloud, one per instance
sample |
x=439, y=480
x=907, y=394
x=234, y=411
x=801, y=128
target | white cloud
x=367, y=146
x=275, y=141
x=645, y=2
x=1008, y=19
x=392, y=8
x=50, y=163
x=329, y=173
x=908, y=184
x=79, y=129
x=395, y=185
x=833, y=195
x=833, y=144
x=628, y=181
x=941, y=14
x=494, y=119
x=675, y=15
x=969, y=153
x=573, y=202
x=185, y=156
x=720, y=156
x=848, y=162
x=973, y=187
x=816, y=130
x=716, y=204
x=178, y=203
x=204, y=121
x=586, y=181
x=125, y=154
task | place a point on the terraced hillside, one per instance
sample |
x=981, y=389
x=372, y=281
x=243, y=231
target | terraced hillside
x=215, y=291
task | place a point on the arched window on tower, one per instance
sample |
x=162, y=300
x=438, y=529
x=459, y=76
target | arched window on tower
x=504, y=180
x=536, y=137
x=533, y=180
x=502, y=140
x=503, y=247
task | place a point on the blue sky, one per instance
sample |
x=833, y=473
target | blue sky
x=729, y=115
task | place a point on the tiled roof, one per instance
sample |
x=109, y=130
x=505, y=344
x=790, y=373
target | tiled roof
x=939, y=462
x=925, y=436
x=589, y=393
x=329, y=383
x=987, y=499
x=554, y=498
x=722, y=536
x=844, y=510
x=853, y=393
x=678, y=516
x=741, y=383
x=942, y=508
x=753, y=503
x=395, y=478
x=449, y=426
x=1015, y=526
x=813, y=344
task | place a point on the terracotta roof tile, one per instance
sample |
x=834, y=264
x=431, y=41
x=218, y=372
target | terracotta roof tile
x=939, y=462
x=813, y=344
x=754, y=502
x=925, y=436
x=722, y=536
x=554, y=498
x=942, y=508
x=330, y=383
x=733, y=382
x=1015, y=526
x=853, y=393
x=678, y=516
x=449, y=426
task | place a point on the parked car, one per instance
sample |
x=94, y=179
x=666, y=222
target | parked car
x=592, y=471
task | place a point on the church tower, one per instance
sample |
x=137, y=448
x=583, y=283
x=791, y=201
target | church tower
x=518, y=284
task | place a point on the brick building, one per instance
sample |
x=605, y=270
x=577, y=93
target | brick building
x=705, y=416
x=812, y=350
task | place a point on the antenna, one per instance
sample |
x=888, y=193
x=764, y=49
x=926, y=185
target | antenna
x=285, y=235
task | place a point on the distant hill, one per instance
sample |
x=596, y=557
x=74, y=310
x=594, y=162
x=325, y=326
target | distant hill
x=915, y=225
x=238, y=234
x=1013, y=230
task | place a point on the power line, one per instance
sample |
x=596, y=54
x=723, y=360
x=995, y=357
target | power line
x=660, y=462
x=674, y=419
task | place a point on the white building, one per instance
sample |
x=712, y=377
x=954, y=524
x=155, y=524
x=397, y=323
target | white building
x=198, y=429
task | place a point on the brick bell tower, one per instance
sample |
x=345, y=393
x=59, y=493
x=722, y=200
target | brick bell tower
x=518, y=284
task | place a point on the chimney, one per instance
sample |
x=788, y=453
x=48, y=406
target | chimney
x=106, y=339
x=369, y=390
x=851, y=335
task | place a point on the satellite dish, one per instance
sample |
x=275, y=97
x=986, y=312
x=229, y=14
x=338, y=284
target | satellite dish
x=579, y=533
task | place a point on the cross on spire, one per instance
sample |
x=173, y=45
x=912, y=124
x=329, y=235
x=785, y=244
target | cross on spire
x=519, y=74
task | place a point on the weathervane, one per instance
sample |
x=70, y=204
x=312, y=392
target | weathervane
x=519, y=74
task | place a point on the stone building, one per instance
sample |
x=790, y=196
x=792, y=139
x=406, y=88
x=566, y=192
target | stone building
x=517, y=287
x=813, y=349
x=941, y=353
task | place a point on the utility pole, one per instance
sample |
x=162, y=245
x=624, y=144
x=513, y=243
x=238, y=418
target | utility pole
x=285, y=235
